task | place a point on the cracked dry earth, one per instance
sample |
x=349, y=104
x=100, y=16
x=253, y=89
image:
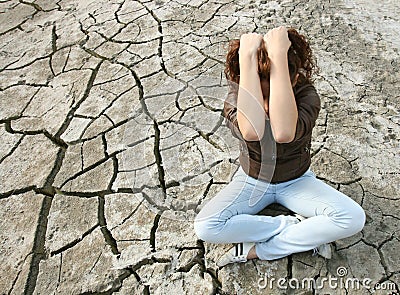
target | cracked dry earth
x=112, y=139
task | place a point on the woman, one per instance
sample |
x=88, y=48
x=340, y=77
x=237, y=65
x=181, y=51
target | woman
x=271, y=108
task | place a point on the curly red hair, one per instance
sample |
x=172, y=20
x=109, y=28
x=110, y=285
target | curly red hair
x=300, y=59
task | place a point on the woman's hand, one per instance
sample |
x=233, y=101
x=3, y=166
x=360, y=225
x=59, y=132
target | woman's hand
x=277, y=42
x=282, y=104
x=249, y=44
x=251, y=114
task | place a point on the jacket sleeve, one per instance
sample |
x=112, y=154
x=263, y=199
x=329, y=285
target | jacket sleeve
x=308, y=107
x=230, y=110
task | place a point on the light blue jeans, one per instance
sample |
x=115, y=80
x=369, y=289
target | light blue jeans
x=230, y=217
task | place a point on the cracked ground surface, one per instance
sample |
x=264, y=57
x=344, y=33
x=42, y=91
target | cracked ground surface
x=112, y=140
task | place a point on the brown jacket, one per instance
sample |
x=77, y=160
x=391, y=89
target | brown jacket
x=271, y=161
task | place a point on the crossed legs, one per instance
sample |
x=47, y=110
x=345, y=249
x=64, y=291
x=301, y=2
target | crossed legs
x=230, y=217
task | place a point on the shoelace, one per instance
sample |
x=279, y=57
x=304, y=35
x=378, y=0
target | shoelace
x=315, y=251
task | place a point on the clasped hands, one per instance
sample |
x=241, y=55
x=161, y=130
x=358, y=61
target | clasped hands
x=277, y=45
x=276, y=41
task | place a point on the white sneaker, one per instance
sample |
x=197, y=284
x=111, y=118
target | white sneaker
x=300, y=217
x=324, y=250
x=237, y=253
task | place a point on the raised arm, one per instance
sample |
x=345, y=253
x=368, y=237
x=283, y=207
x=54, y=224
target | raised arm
x=250, y=103
x=282, y=104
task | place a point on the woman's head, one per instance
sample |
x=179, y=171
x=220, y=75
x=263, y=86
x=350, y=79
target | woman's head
x=300, y=60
